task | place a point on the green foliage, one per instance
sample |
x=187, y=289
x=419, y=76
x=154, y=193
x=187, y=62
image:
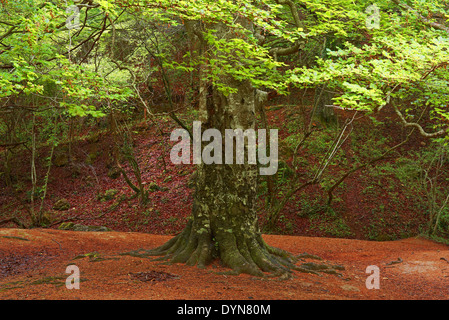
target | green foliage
x=332, y=223
x=51, y=74
x=403, y=60
x=368, y=144
x=33, y=66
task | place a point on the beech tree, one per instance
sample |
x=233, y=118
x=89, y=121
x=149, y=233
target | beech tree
x=241, y=49
x=239, y=46
x=232, y=64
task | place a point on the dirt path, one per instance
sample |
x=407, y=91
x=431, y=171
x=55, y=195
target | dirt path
x=33, y=265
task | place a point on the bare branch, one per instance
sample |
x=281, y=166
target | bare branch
x=417, y=125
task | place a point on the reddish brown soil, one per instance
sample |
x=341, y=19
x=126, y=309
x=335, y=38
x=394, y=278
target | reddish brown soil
x=33, y=265
x=33, y=262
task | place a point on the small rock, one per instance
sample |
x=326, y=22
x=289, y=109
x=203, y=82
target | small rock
x=80, y=227
x=306, y=284
x=61, y=205
x=108, y=195
x=348, y=287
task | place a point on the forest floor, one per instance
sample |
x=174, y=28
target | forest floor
x=33, y=265
x=369, y=206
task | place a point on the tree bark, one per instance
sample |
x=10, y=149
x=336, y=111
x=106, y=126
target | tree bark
x=323, y=99
x=224, y=221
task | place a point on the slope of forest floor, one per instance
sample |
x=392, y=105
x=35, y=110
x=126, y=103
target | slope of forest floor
x=371, y=206
x=368, y=206
x=33, y=265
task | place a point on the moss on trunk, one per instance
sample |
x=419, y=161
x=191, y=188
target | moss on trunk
x=224, y=223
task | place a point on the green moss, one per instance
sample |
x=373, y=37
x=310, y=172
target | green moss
x=17, y=238
x=79, y=227
x=12, y=285
x=114, y=173
x=107, y=195
x=153, y=187
x=60, y=160
x=56, y=280
x=66, y=226
x=94, y=257
x=61, y=205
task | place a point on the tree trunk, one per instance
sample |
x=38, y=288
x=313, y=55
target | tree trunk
x=323, y=99
x=224, y=224
x=224, y=221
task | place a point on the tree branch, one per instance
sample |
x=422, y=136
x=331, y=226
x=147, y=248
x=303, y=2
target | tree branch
x=417, y=125
x=422, y=18
x=276, y=52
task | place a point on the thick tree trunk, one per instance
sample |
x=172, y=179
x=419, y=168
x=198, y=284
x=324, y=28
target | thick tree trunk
x=224, y=222
x=224, y=202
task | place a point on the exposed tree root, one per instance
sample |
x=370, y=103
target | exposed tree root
x=241, y=253
x=305, y=255
x=14, y=220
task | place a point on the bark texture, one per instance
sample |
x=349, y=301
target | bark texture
x=224, y=222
